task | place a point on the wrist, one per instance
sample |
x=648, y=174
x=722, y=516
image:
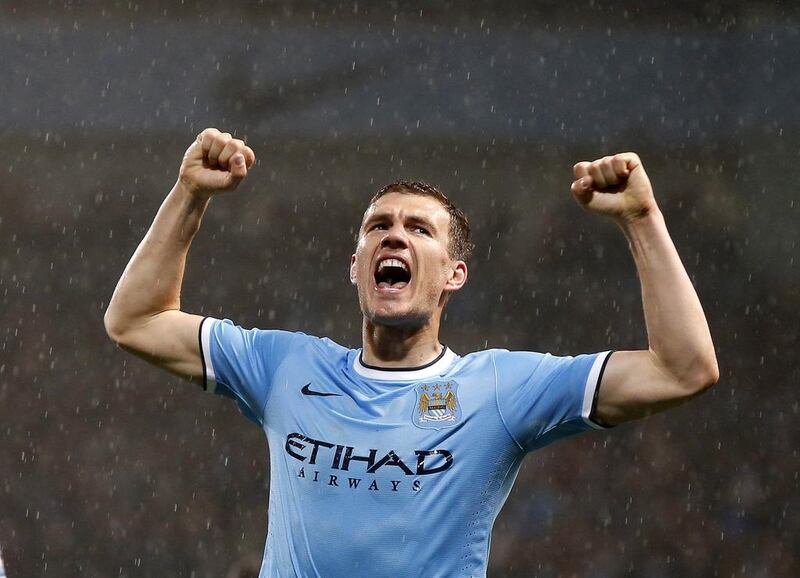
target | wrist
x=644, y=227
x=642, y=217
x=191, y=192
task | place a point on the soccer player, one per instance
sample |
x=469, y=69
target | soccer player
x=394, y=459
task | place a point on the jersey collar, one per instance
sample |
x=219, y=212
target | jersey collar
x=436, y=367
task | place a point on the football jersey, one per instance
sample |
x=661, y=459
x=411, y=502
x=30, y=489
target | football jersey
x=391, y=472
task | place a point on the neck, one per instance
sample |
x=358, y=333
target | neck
x=386, y=346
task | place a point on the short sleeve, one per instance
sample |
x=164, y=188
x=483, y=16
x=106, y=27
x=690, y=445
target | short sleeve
x=240, y=363
x=543, y=398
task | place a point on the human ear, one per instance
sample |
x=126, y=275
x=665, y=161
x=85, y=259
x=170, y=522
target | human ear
x=353, y=278
x=458, y=277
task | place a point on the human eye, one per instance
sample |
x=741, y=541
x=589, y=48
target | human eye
x=377, y=227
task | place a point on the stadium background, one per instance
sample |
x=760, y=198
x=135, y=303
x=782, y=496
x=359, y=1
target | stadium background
x=111, y=468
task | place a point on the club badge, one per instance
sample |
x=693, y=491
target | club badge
x=437, y=405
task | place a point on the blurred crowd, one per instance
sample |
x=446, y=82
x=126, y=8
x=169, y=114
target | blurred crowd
x=112, y=468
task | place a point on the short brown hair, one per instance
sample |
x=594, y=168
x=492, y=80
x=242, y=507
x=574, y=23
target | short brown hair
x=459, y=244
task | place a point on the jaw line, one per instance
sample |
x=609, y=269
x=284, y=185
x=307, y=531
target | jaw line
x=410, y=323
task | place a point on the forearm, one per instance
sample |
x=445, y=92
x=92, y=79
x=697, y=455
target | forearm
x=151, y=283
x=677, y=330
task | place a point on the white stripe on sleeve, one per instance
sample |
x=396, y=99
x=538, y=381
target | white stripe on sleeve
x=210, y=383
x=592, y=383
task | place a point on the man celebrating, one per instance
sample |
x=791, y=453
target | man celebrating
x=394, y=459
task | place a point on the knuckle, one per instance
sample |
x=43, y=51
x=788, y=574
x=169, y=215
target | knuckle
x=218, y=141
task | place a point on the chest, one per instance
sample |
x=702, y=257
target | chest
x=321, y=416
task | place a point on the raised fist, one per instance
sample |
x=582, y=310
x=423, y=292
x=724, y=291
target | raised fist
x=215, y=162
x=616, y=186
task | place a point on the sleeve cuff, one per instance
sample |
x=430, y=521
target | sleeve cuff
x=209, y=378
x=592, y=390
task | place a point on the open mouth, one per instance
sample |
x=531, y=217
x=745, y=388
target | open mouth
x=391, y=274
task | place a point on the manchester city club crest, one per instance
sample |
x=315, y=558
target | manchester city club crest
x=437, y=405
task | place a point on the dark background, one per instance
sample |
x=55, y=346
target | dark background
x=111, y=468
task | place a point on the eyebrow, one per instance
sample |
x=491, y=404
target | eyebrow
x=414, y=218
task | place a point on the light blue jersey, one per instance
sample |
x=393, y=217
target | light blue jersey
x=395, y=473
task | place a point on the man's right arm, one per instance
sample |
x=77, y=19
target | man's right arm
x=144, y=315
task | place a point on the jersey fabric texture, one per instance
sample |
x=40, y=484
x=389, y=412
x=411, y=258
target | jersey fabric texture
x=395, y=473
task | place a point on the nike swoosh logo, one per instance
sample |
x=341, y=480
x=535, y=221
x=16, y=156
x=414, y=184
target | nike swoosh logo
x=307, y=391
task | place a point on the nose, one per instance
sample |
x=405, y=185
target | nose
x=395, y=238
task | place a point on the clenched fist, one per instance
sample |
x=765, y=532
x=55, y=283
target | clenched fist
x=616, y=186
x=215, y=162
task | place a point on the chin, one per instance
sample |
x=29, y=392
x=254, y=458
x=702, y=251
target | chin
x=406, y=319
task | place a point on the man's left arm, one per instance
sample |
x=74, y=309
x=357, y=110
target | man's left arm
x=680, y=362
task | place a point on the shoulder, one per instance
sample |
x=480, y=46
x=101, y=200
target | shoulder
x=532, y=368
x=505, y=357
x=325, y=345
x=258, y=338
x=500, y=364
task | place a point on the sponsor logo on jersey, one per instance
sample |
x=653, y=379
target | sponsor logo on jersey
x=344, y=457
x=437, y=405
x=342, y=465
